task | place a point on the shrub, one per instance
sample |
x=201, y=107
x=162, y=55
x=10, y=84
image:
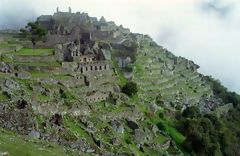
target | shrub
x=130, y=88
x=191, y=112
x=161, y=126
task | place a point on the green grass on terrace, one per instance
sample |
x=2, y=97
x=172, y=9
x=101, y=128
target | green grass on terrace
x=3, y=97
x=6, y=45
x=40, y=64
x=16, y=146
x=75, y=127
x=38, y=74
x=33, y=52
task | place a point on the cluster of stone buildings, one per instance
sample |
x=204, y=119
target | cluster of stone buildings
x=64, y=26
x=82, y=57
x=81, y=51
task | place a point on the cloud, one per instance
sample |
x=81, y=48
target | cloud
x=206, y=31
x=218, y=7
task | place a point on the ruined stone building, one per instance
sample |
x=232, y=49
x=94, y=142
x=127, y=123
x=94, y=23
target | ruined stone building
x=76, y=38
x=85, y=59
x=81, y=58
x=67, y=27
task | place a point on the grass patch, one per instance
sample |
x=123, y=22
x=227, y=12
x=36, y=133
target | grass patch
x=42, y=98
x=166, y=126
x=7, y=45
x=75, y=127
x=3, y=97
x=62, y=77
x=16, y=145
x=33, y=52
x=5, y=58
x=37, y=74
x=40, y=64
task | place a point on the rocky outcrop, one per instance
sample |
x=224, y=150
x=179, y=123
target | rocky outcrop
x=5, y=68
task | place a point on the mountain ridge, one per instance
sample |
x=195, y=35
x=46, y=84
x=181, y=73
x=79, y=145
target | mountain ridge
x=67, y=90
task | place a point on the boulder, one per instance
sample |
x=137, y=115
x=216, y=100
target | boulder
x=5, y=68
x=133, y=125
x=12, y=85
x=139, y=136
x=34, y=134
x=117, y=126
x=4, y=153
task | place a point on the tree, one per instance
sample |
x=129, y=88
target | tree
x=33, y=32
x=130, y=88
x=191, y=112
x=194, y=143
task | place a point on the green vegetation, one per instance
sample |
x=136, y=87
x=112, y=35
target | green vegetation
x=41, y=64
x=75, y=127
x=33, y=32
x=223, y=93
x=130, y=88
x=6, y=58
x=209, y=135
x=37, y=74
x=33, y=52
x=191, y=112
x=17, y=145
x=7, y=45
x=167, y=125
x=4, y=97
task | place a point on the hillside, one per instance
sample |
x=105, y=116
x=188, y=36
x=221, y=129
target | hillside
x=65, y=95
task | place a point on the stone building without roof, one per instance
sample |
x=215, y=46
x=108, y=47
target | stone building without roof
x=85, y=59
x=67, y=26
x=74, y=36
x=80, y=57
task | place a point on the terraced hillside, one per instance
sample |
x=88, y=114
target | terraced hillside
x=41, y=101
x=159, y=73
x=65, y=96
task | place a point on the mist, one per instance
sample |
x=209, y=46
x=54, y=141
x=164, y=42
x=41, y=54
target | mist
x=205, y=31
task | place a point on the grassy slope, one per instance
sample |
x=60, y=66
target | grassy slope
x=30, y=148
x=16, y=145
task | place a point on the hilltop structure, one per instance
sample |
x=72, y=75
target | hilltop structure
x=68, y=26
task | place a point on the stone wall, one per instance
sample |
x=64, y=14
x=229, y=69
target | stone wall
x=98, y=96
x=86, y=67
x=38, y=68
x=93, y=66
x=70, y=66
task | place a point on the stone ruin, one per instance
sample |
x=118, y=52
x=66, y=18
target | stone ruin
x=85, y=59
x=68, y=26
x=82, y=56
x=82, y=53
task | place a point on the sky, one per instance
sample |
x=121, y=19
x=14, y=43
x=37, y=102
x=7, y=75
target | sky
x=205, y=31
